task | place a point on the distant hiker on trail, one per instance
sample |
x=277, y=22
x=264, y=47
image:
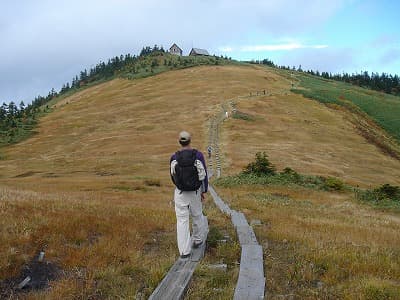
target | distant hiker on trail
x=209, y=150
x=189, y=174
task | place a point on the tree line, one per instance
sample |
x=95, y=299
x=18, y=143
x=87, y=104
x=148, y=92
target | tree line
x=383, y=82
x=16, y=120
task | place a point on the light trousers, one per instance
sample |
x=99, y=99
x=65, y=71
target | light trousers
x=189, y=204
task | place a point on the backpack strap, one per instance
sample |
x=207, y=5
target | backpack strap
x=177, y=155
x=194, y=155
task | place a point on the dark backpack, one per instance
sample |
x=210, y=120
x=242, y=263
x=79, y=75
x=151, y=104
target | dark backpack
x=186, y=177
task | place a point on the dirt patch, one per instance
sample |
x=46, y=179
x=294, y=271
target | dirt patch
x=36, y=276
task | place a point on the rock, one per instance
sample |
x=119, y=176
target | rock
x=221, y=267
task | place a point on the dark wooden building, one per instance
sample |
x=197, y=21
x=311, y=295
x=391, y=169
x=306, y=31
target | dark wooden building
x=197, y=51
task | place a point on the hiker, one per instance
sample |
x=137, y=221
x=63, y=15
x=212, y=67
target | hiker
x=209, y=150
x=189, y=174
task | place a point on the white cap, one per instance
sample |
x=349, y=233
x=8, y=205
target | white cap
x=184, y=136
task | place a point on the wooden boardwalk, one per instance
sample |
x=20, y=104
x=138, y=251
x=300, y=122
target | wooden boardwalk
x=176, y=282
x=251, y=281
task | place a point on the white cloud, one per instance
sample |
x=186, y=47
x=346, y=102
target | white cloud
x=273, y=47
x=277, y=47
x=225, y=49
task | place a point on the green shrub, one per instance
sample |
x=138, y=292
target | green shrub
x=261, y=166
x=333, y=184
x=388, y=191
x=385, y=196
x=292, y=175
x=262, y=172
x=242, y=116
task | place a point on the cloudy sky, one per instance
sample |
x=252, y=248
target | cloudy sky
x=44, y=43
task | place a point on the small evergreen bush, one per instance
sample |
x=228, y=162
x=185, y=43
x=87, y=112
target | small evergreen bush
x=388, y=191
x=385, y=196
x=261, y=166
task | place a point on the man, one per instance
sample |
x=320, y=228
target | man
x=209, y=150
x=189, y=174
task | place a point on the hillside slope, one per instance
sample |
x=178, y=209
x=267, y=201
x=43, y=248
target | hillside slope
x=112, y=127
x=126, y=127
x=92, y=185
x=309, y=137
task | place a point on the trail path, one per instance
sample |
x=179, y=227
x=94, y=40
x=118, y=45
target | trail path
x=251, y=282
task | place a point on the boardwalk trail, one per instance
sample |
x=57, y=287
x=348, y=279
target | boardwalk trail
x=251, y=282
x=176, y=282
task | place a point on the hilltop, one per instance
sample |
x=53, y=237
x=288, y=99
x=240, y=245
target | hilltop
x=91, y=186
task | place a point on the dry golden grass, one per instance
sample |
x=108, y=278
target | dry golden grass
x=307, y=136
x=98, y=243
x=321, y=244
x=92, y=186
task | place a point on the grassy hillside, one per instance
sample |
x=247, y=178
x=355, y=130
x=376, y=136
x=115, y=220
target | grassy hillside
x=91, y=187
x=309, y=137
x=18, y=123
x=383, y=108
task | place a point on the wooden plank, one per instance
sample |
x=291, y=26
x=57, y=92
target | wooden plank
x=251, y=282
x=163, y=287
x=175, y=283
x=238, y=219
x=218, y=201
x=246, y=235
